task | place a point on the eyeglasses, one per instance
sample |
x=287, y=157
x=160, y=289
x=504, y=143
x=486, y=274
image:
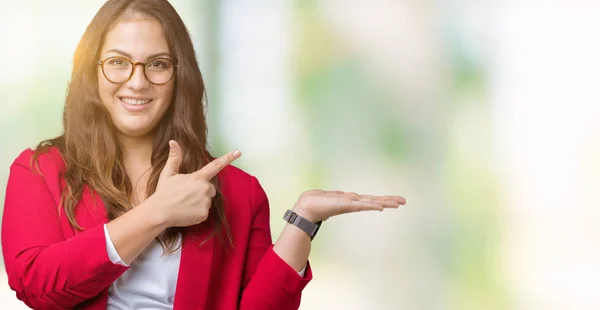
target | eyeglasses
x=119, y=70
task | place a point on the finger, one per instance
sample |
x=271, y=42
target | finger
x=173, y=161
x=207, y=189
x=348, y=203
x=212, y=191
x=351, y=196
x=314, y=192
x=212, y=169
x=401, y=200
x=385, y=201
x=388, y=204
x=398, y=200
x=334, y=193
x=357, y=206
x=382, y=203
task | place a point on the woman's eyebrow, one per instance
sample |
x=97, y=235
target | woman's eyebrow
x=118, y=51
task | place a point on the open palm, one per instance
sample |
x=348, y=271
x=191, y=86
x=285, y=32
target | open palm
x=318, y=205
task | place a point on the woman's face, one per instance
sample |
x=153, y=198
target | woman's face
x=135, y=106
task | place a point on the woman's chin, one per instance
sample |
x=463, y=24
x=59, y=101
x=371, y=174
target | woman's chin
x=134, y=131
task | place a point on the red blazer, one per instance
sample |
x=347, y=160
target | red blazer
x=51, y=266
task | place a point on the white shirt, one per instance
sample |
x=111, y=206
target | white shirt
x=150, y=281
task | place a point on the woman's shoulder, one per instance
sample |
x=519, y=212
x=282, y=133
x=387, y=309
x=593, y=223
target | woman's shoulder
x=46, y=159
x=236, y=180
x=233, y=173
x=242, y=192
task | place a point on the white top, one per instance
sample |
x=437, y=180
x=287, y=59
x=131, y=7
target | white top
x=150, y=281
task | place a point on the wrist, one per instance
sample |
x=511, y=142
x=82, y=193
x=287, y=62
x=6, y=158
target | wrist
x=155, y=212
x=305, y=213
x=302, y=223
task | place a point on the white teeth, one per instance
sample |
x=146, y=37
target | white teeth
x=134, y=101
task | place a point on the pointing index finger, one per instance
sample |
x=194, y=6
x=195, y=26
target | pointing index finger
x=212, y=169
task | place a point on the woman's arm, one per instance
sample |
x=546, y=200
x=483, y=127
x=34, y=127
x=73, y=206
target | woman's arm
x=274, y=282
x=133, y=231
x=45, y=270
x=179, y=200
x=269, y=282
x=49, y=272
x=293, y=245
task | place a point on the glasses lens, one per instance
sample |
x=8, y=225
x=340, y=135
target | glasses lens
x=159, y=70
x=117, y=69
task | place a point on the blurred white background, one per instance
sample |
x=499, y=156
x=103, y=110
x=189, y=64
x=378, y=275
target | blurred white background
x=483, y=114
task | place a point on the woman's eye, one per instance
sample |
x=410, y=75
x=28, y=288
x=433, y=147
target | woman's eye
x=117, y=62
x=159, y=64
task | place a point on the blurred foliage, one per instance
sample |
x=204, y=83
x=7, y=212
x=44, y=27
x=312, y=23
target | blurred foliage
x=348, y=113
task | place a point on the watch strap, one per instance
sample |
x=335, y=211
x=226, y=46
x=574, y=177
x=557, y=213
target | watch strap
x=307, y=226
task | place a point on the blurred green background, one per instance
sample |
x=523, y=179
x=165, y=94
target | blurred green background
x=483, y=115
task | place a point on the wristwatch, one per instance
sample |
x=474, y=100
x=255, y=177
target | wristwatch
x=307, y=226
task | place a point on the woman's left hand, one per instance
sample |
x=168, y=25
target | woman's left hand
x=318, y=205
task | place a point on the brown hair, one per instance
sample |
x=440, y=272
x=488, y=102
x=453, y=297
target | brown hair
x=88, y=143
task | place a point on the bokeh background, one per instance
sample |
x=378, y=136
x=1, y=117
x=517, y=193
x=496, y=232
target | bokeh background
x=483, y=114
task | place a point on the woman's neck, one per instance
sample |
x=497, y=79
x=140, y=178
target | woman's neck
x=137, y=153
x=136, y=150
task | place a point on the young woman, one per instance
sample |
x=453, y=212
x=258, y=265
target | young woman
x=128, y=210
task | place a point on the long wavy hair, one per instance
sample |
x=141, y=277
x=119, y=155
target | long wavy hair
x=89, y=143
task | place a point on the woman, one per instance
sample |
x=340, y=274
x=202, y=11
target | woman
x=128, y=210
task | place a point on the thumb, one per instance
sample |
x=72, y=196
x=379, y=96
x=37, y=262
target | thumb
x=173, y=161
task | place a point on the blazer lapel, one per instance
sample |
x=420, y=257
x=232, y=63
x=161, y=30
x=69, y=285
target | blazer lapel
x=91, y=211
x=193, y=280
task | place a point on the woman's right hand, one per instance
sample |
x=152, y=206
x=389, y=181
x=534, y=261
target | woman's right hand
x=185, y=199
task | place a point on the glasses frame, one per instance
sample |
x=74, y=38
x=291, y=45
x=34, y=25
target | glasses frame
x=135, y=64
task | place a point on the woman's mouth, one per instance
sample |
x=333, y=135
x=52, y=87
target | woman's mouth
x=133, y=104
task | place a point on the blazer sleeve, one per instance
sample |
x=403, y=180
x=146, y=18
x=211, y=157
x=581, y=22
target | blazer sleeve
x=269, y=282
x=46, y=270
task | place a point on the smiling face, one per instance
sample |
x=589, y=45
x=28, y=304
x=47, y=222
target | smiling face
x=135, y=106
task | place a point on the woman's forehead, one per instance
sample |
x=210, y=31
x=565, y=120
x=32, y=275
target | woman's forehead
x=139, y=38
